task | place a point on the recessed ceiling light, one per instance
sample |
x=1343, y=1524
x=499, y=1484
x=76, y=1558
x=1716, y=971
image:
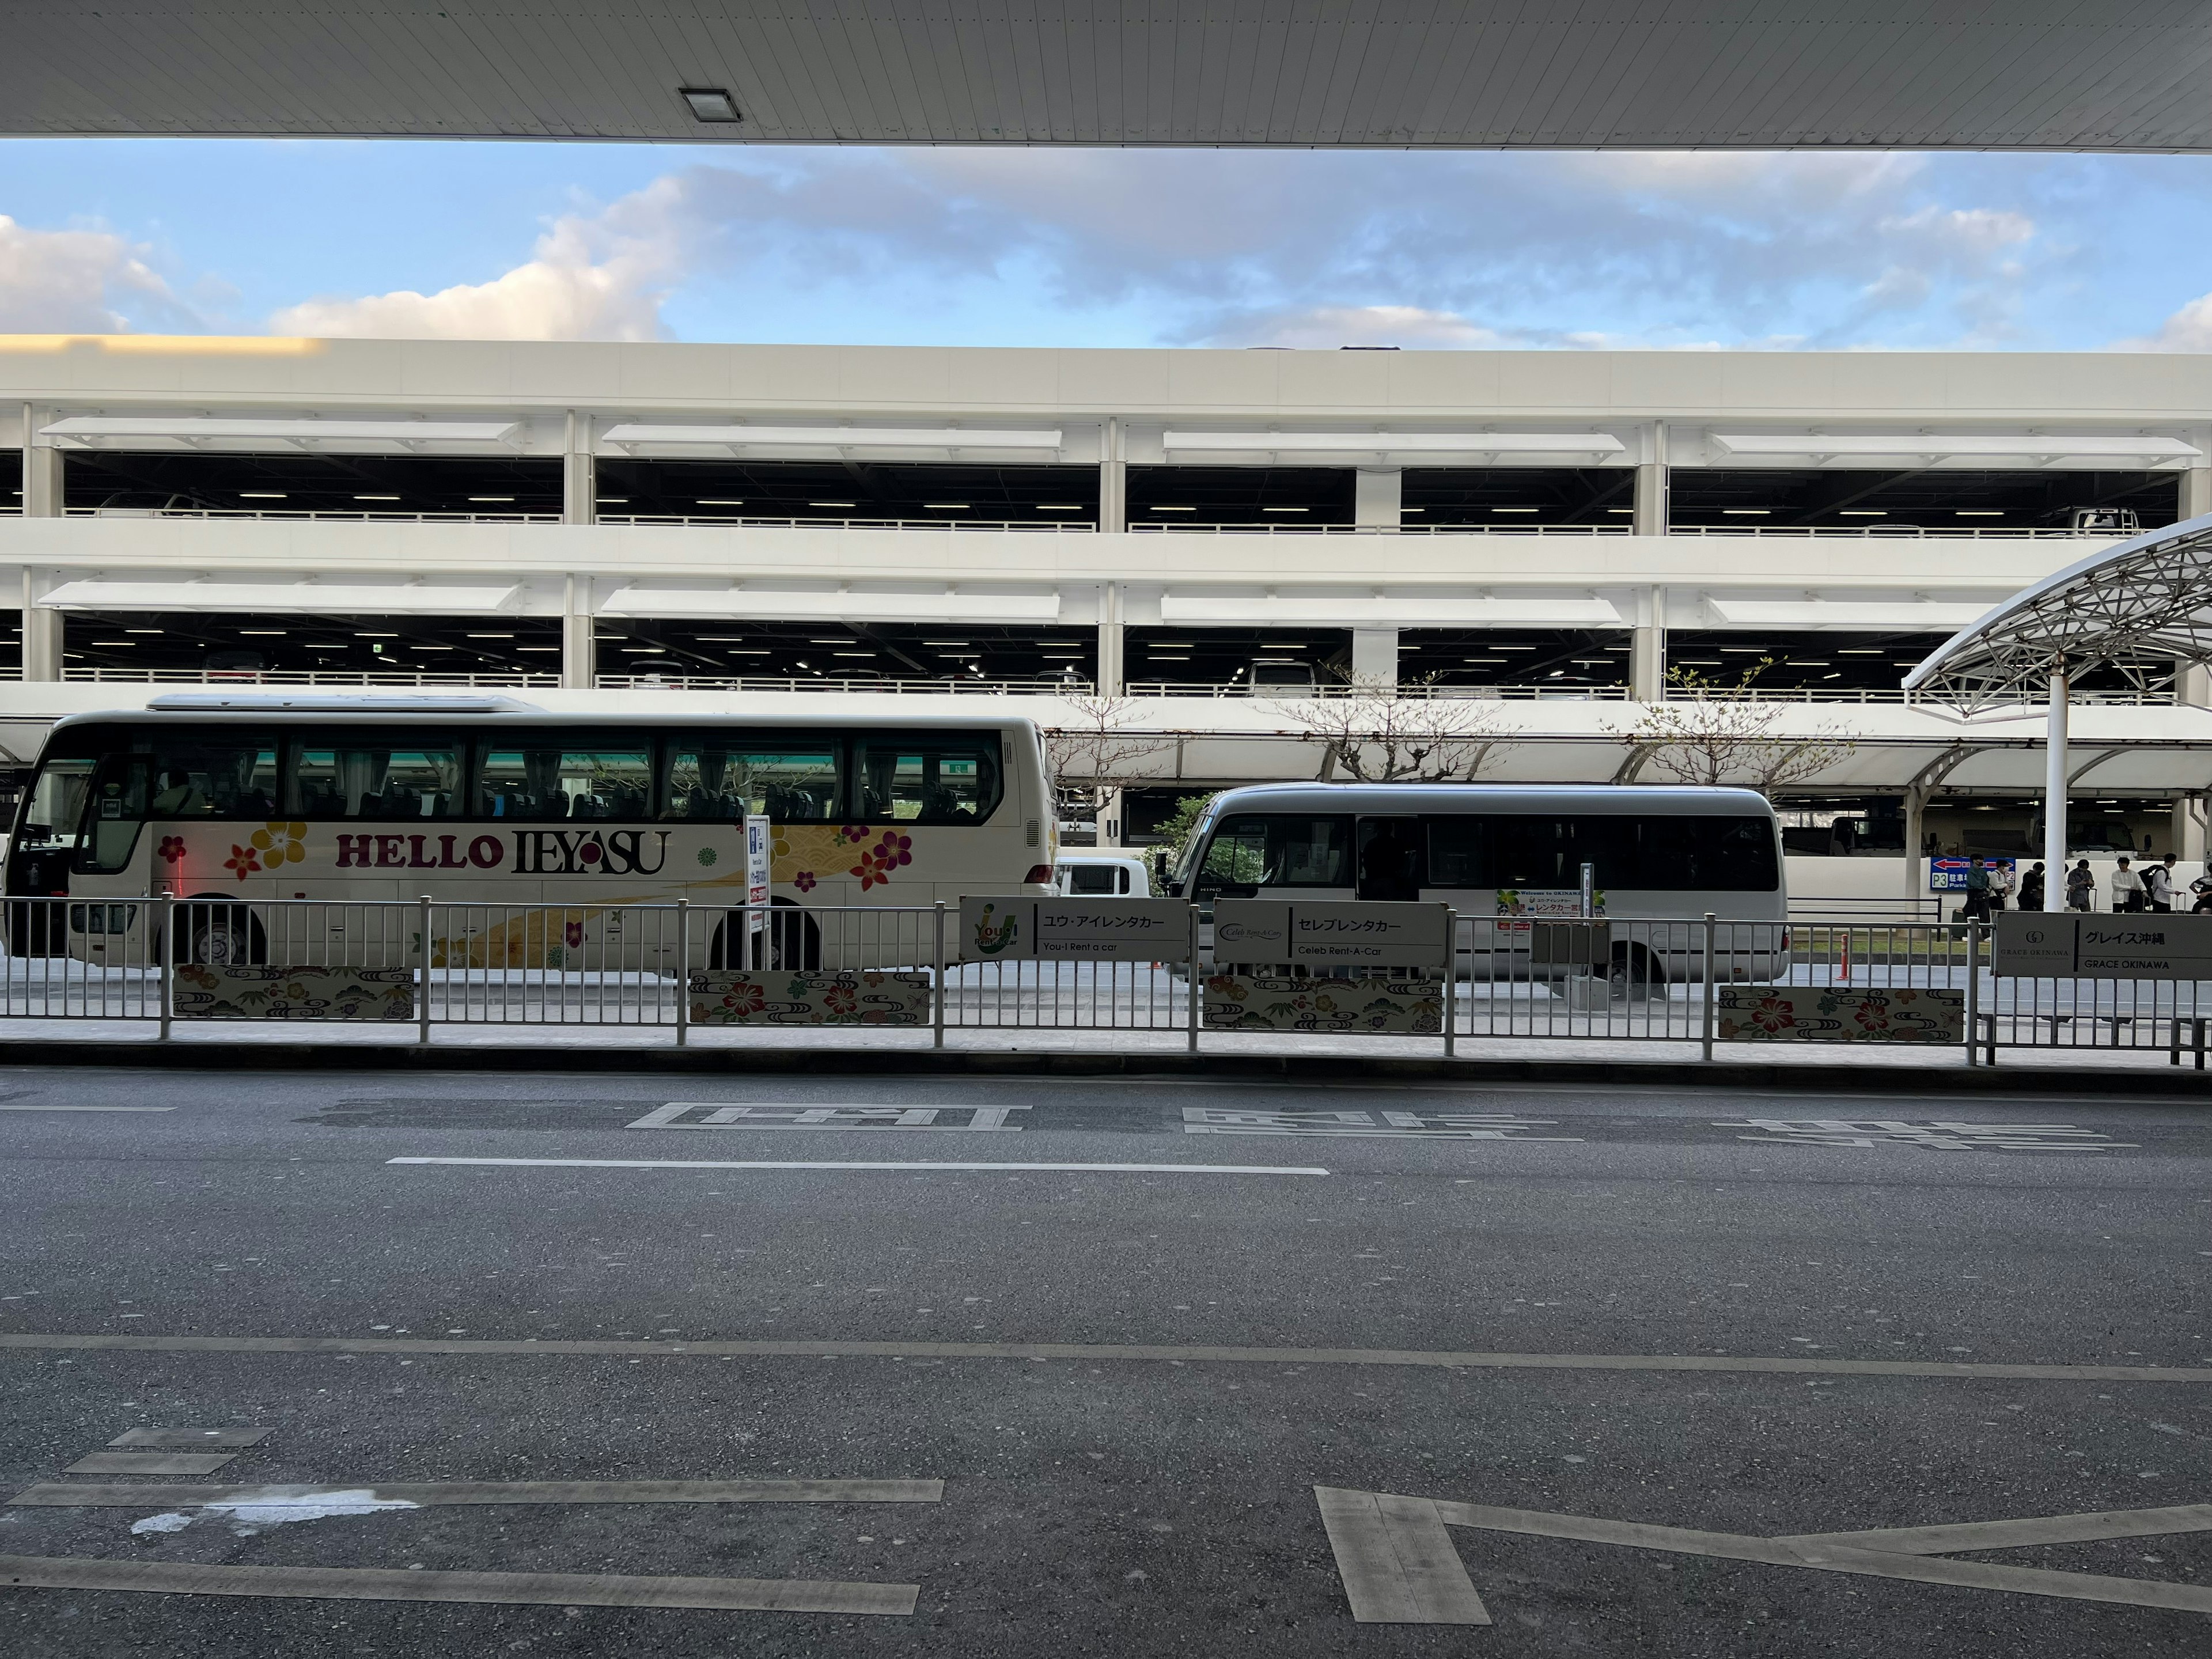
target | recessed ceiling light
x=847, y=504
x=253, y=494
x=710, y=501
x=376, y=498
x=1866, y=511
x=710, y=103
x=1744, y=511
x=946, y=506
x=491, y=498
x=1516, y=509
x=1980, y=512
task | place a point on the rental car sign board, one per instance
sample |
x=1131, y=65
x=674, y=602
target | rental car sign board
x=1094, y=930
x=1347, y=933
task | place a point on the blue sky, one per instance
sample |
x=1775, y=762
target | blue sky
x=1108, y=247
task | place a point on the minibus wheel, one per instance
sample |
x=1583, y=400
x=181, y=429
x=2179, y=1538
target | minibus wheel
x=1634, y=971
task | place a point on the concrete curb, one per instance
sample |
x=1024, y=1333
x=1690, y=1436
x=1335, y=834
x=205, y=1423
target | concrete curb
x=1227, y=1068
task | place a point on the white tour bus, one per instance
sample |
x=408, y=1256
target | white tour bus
x=1508, y=856
x=244, y=802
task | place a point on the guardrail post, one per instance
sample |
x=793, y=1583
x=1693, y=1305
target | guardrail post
x=165, y=980
x=1196, y=993
x=1451, y=979
x=683, y=971
x=937, y=983
x=422, y=950
x=1708, y=1037
x=1973, y=992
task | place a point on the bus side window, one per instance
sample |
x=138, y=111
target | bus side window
x=378, y=778
x=927, y=780
x=722, y=782
x=1235, y=860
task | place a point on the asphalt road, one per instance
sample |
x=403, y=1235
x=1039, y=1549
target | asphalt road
x=1349, y=1243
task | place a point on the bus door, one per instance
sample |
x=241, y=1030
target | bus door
x=1391, y=860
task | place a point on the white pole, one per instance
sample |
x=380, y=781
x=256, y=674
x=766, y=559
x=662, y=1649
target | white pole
x=2054, y=795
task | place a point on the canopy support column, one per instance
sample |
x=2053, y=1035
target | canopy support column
x=2054, y=794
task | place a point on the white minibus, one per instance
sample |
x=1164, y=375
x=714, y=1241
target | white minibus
x=245, y=801
x=1510, y=856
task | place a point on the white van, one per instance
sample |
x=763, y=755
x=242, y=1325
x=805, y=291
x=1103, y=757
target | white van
x=1101, y=875
x=1508, y=857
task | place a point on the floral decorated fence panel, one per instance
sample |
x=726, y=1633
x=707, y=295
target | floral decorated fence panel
x=274, y=992
x=1824, y=1013
x=783, y=997
x=1396, y=1005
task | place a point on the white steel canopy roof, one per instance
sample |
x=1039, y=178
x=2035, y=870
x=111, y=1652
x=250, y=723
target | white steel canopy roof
x=1752, y=74
x=2146, y=599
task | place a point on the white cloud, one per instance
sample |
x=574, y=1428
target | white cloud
x=72, y=282
x=2189, y=329
x=598, y=277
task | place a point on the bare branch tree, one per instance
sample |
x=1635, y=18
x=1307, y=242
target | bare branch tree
x=1094, y=754
x=1715, y=733
x=1376, y=730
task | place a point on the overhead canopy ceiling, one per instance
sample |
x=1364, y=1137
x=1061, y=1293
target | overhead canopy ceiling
x=2139, y=606
x=1632, y=74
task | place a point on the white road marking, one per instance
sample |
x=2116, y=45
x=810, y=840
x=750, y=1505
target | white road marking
x=1820, y=1553
x=1373, y=1126
x=87, y=1109
x=1095, y=1352
x=1396, y=1560
x=2015, y=1534
x=427, y=1493
x=707, y=1164
x=534, y=1589
x=778, y=1115
x=1943, y=1137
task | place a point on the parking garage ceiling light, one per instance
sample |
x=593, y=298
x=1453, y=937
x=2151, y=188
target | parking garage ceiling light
x=194, y=431
x=1597, y=445
x=631, y=433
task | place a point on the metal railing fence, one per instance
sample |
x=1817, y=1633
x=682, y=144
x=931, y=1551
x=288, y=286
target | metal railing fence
x=421, y=963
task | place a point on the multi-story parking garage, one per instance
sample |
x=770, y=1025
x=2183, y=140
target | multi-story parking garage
x=1202, y=545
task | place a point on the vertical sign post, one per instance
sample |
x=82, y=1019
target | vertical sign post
x=1974, y=984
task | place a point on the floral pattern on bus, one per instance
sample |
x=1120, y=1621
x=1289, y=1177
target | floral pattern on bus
x=802, y=855
x=280, y=844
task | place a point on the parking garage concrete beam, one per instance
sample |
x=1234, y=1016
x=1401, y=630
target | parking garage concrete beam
x=1650, y=515
x=1378, y=497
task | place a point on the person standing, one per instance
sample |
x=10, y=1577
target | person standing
x=2001, y=884
x=2202, y=888
x=2031, y=888
x=2081, y=888
x=1978, y=891
x=2127, y=891
x=2158, y=884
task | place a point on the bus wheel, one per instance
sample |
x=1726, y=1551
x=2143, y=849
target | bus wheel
x=795, y=938
x=1635, y=972
x=222, y=936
